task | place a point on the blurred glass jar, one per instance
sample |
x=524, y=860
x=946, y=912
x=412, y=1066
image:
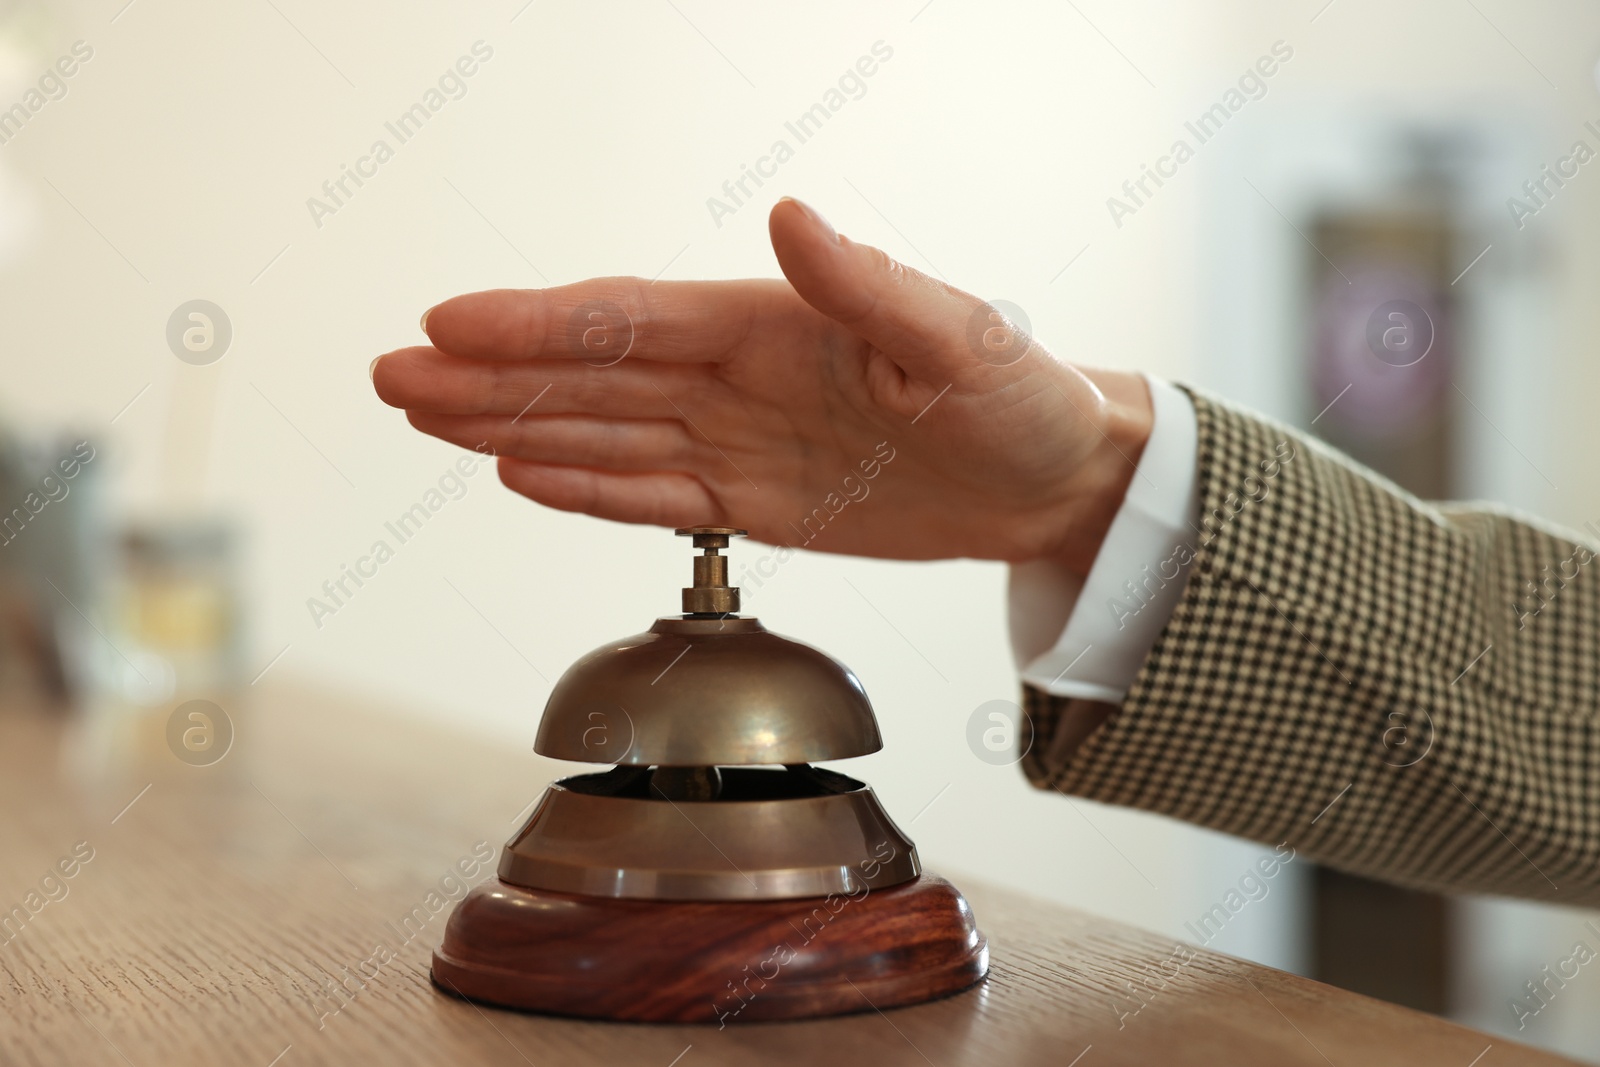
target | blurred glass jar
x=178, y=610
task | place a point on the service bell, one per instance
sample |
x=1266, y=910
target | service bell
x=712, y=873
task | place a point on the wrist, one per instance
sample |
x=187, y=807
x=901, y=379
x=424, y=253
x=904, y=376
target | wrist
x=1120, y=422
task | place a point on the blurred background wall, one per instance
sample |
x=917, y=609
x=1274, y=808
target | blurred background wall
x=178, y=161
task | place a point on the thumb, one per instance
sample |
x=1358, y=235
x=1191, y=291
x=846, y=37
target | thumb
x=920, y=322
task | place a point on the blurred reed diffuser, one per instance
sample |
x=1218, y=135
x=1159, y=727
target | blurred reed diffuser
x=176, y=604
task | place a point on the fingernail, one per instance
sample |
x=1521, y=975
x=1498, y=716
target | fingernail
x=424, y=322
x=815, y=216
x=372, y=368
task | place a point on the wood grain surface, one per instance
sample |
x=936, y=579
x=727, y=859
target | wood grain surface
x=719, y=961
x=280, y=907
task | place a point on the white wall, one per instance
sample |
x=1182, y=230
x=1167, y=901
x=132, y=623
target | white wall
x=590, y=142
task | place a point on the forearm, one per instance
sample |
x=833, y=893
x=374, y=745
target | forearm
x=1345, y=669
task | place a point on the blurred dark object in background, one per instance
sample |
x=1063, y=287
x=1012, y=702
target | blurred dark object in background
x=51, y=566
x=1382, y=379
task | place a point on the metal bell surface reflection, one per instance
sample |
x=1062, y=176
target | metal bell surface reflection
x=707, y=688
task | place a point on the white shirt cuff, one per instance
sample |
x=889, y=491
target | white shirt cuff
x=1088, y=639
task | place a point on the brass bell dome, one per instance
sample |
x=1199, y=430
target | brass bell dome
x=708, y=688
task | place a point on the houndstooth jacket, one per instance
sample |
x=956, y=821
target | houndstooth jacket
x=1400, y=689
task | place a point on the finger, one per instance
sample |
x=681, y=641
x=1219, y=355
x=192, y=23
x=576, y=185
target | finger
x=600, y=320
x=424, y=379
x=660, y=499
x=902, y=311
x=571, y=440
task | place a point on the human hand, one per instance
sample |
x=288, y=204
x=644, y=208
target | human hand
x=764, y=404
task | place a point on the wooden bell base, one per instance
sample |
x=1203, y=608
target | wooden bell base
x=710, y=961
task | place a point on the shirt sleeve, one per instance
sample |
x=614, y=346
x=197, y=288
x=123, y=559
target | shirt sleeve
x=1086, y=638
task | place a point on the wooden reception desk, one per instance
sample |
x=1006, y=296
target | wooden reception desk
x=279, y=908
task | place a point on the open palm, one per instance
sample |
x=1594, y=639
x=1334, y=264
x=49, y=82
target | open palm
x=859, y=406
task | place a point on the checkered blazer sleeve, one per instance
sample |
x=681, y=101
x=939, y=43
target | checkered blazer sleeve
x=1400, y=689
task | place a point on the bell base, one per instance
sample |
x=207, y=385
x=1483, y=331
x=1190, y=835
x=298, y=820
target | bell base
x=671, y=961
